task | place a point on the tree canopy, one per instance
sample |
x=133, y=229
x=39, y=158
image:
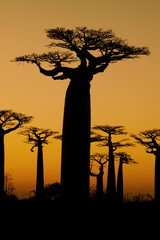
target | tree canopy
x=37, y=136
x=10, y=121
x=109, y=131
x=92, y=49
x=125, y=158
x=150, y=139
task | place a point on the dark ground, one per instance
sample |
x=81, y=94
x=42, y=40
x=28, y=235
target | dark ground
x=48, y=208
x=52, y=219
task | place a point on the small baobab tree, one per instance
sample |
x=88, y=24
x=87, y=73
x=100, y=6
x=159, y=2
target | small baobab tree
x=38, y=137
x=101, y=159
x=90, y=51
x=9, y=122
x=151, y=140
x=123, y=158
x=106, y=140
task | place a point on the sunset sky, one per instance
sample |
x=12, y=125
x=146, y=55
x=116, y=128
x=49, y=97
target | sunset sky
x=127, y=93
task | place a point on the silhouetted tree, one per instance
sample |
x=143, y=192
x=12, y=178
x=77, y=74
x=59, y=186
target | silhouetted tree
x=107, y=141
x=8, y=185
x=123, y=158
x=93, y=50
x=38, y=137
x=101, y=160
x=151, y=140
x=9, y=122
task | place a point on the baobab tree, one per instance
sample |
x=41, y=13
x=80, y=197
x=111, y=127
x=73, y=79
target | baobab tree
x=38, y=137
x=123, y=158
x=151, y=140
x=101, y=159
x=106, y=140
x=91, y=51
x=9, y=122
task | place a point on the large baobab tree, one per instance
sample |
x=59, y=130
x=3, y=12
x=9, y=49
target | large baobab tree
x=101, y=159
x=91, y=51
x=151, y=140
x=123, y=158
x=106, y=140
x=9, y=122
x=38, y=137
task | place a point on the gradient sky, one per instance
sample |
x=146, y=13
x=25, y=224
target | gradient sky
x=127, y=93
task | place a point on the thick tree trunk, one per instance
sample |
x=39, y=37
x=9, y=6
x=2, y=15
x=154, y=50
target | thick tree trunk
x=1, y=166
x=111, y=187
x=76, y=142
x=40, y=174
x=120, y=182
x=157, y=177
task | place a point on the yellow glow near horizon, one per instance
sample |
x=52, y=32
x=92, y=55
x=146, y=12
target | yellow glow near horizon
x=127, y=93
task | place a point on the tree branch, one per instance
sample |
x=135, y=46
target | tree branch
x=100, y=68
x=12, y=129
x=33, y=147
x=93, y=174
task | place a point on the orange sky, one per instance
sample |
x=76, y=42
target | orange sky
x=127, y=93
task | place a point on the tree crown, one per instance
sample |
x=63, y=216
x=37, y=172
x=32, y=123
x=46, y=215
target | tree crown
x=37, y=136
x=10, y=121
x=105, y=140
x=100, y=159
x=113, y=130
x=125, y=158
x=94, y=49
x=150, y=139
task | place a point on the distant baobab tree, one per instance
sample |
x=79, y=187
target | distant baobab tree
x=151, y=140
x=106, y=140
x=123, y=158
x=90, y=51
x=101, y=159
x=9, y=122
x=38, y=137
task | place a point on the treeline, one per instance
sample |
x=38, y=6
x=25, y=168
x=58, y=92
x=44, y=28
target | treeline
x=102, y=135
x=150, y=139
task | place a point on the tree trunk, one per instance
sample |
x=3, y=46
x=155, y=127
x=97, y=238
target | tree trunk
x=40, y=174
x=111, y=187
x=120, y=182
x=1, y=166
x=99, y=194
x=76, y=142
x=157, y=177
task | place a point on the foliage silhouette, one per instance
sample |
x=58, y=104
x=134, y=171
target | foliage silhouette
x=92, y=50
x=107, y=141
x=151, y=140
x=38, y=137
x=9, y=122
x=52, y=191
x=101, y=159
x=123, y=158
